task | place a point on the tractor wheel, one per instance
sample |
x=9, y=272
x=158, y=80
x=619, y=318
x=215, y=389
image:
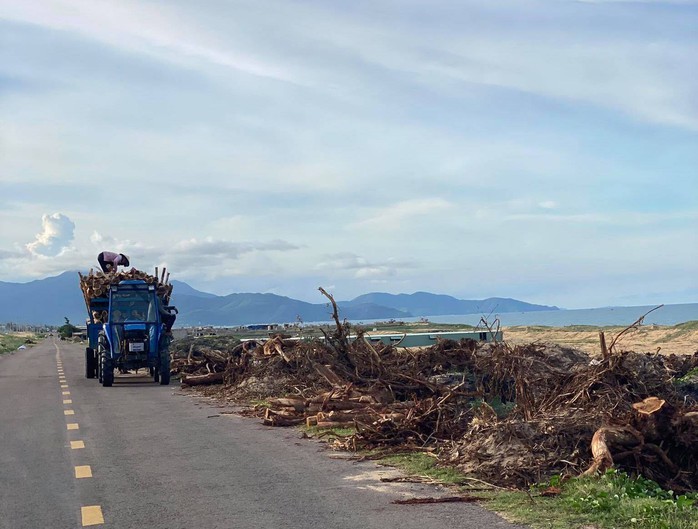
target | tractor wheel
x=107, y=371
x=90, y=363
x=101, y=348
x=164, y=368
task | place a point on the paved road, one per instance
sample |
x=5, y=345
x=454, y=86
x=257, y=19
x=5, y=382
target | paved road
x=140, y=455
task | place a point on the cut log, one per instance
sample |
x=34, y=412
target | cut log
x=335, y=424
x=329, y=375
x=202, y=380
x=603, y=460
x=445, y=499
x=335, y=405
x=649, y=406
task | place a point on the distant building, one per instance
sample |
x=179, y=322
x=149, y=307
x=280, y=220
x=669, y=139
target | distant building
x=262, y=326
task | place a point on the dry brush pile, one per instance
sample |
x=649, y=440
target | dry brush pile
x=566, y=413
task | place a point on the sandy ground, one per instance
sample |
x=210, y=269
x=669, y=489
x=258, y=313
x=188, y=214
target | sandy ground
x=649, y=338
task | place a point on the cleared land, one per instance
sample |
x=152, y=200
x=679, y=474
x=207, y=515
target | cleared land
x=676, y=339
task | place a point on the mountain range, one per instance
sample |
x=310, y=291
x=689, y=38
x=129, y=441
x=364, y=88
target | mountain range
x=49, y=300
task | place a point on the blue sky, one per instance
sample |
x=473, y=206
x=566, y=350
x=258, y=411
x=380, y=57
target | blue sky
x=542, y=150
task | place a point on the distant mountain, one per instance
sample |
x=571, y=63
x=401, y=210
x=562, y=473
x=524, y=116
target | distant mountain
x=43, y=301
x=182, y=288
x=239, y=309
x=427, y=304
x=49, y=300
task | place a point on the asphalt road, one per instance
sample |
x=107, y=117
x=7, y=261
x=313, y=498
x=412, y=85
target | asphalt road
x=136, y=455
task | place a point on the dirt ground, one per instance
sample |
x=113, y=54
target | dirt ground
x=679, y=339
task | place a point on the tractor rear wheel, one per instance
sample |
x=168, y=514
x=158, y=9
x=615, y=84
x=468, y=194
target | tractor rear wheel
x=90, y=363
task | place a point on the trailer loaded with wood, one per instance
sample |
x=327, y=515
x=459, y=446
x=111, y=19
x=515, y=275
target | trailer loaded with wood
x=129, y=324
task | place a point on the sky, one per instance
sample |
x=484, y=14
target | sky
x=541, y=150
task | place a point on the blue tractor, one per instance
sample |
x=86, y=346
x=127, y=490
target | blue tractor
x=129, y=328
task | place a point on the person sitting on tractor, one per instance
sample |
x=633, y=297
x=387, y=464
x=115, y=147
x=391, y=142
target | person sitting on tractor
x=110, y=261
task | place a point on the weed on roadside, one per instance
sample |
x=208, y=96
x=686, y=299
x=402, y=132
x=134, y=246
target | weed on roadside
x=611, y=501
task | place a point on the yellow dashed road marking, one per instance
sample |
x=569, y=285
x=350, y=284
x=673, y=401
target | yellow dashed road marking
x=64, y=386
x=73, y=426
x=77, y=444
x=83, y=471
x=92, y=515
x=67, y=401
x=68, y=412
x=65, y=392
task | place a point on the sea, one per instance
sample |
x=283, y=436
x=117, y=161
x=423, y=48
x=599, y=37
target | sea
x=601, y=317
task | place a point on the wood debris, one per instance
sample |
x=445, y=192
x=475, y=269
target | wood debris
x=510, y=415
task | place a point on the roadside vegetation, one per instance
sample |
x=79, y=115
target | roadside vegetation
x=10, y=342
x=613, y=500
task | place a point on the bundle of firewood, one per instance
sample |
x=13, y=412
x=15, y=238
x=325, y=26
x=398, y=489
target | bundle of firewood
x=96, y=283
x=339, y=407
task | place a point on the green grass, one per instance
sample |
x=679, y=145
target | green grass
x=687, y=326
x=314, y=431
x=612, y=501
x=502, y=410
x=422, y=464
x=10, y=342
x=680, y=330
x=689, y=375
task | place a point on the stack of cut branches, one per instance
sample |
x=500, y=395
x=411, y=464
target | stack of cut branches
x=510, y=415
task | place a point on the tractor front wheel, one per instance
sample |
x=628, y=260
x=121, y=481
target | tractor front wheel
x=164, y=368
x=107, y=370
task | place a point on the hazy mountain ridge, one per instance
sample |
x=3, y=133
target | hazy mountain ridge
x=49, y=300
x=427, y=304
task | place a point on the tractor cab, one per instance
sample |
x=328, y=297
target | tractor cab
x=133, y=328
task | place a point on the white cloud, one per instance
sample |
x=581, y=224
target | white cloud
x=210, y=247
x=157, y=31
x=55, y=237
x=11, y=254
x=547, y=204
x=398, y=215
x=361, y=268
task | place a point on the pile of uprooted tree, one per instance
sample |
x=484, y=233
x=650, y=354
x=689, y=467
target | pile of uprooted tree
x=510, y=415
